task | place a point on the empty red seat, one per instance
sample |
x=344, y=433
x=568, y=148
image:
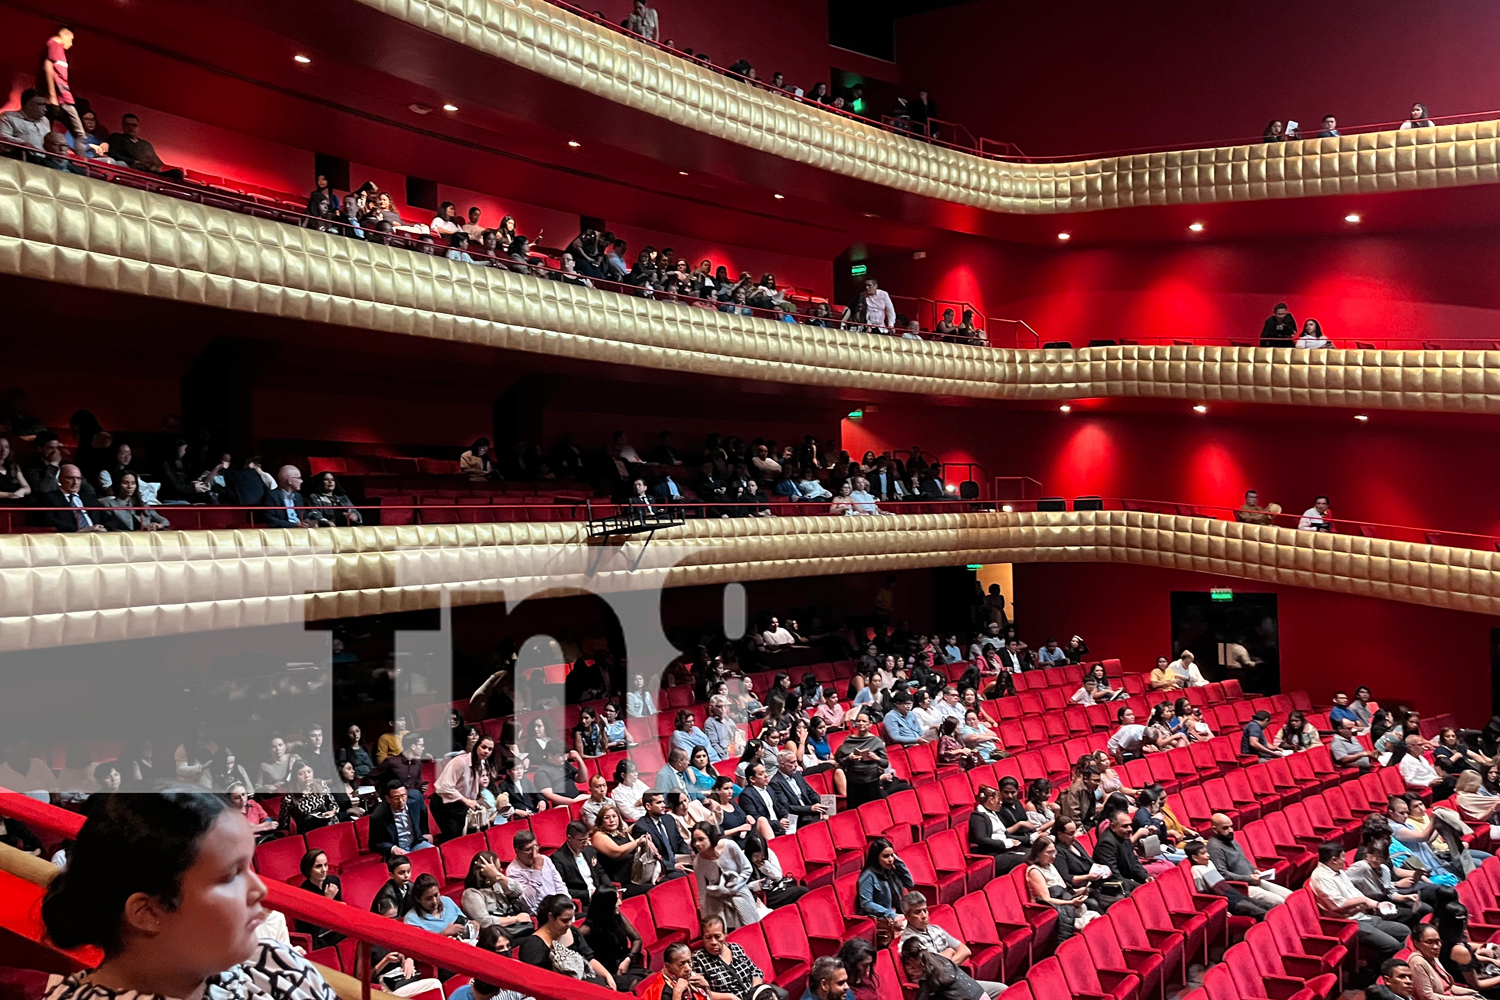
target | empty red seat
x=1109, y=954
x=1156, y=915
x=362, y=879
x=1271, y=962
x=1085, y=978
x=826, y=925
x=674, y=910
x=938, y=887
x=281, y=859
x=1132, y=932
x=788, y=942
x=459, y=852
x=999, y=950
x=950, y=856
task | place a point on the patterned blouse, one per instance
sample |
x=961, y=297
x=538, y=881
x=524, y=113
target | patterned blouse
x=274, y=972
x=737, y=977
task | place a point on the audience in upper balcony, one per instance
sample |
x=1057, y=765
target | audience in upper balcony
x=129, y=148
x=1312, y=335
x=130, y=513
x=1417, y=118
x=1279, y=329
x=1275, y=132
x=643, y=21
x=1330, y=129
x=1253, y=513
x=71, y=497
x=285, y=507
x=13, y=484
x=880, y=312
x=28, y=125
x=1315, y=518
x=331, y=502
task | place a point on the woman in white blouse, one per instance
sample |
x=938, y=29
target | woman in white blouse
x=928, y=716
x=457, y=788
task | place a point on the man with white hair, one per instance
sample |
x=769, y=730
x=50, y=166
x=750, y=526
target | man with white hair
x=285, y=506
x=72, y=495
x=1186, y=670
x=792, y=794
x=723, y=735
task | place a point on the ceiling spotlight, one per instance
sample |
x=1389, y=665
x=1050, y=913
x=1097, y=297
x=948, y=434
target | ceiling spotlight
x=1007, y=508
x=419, y=109
x=301, y=59
x=1066, y=408
x=574, y=144
x=1196, y=227
x=1064, y=237
x=779, y=196
x=871, y=215
x=1352, y=217
x=682, y=173
x=1361, y=417
x=1200, y=408
x=450, y=107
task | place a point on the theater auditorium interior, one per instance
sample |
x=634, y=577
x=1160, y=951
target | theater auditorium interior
x=431, y=564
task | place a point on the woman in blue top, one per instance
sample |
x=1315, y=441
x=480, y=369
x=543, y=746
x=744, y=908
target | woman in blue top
x=883, y=882
x=426, y=907
x=615, y=736
x=701, y=773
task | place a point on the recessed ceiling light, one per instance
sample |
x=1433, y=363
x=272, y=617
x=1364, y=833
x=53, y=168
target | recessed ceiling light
x=1196, y=227
x=1200, y=408
x=1352, y=217
x=871, y=215
x=682, y=173
x=301, y=59
x=1361, y=417
x=1066, y=408
x=574, y=144
x=779, y=196
x=1007, y=508
x=450, y=107
x=419, y=109
x=1064, y=237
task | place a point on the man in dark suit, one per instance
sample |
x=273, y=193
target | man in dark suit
x=1115, y=852
x=932, y=484
x=398, y=825
x=285, y=507
x=662, y=829
x=792, y=794
x=758, y=802
x=712, y=489
x=70, y=498
x=578, y=864
x=1015, y=659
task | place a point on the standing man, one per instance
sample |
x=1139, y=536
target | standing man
x=55, y=83
x=644, y=22
x=880, y=311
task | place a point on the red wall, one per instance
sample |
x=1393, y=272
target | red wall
x=1381, y=286
x=1095, y=76
x=1433, y=659
x=1405, y=475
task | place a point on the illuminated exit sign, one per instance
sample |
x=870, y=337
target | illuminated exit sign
x=1221, y=594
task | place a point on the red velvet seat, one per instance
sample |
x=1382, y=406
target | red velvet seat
x=1086, y=978
x=1157, y=915
x=281, y=859
x=827, y=926
x=1270, y=960
x=1108, y=953
x=1133, y=932
x=950, y=856
x=998, y=952
x=789, y=944
x=938, y=887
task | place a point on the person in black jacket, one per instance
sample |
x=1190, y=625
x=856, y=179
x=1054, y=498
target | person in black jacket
x=1279, y=329
x=661, y=828
x=987, y=831
x=1116, y=852
x=1073, y=862
x=792, y=794
x=390, y=837
x=578, y=864
x=70, y=498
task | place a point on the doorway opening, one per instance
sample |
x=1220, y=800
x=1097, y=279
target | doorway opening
x=1231, y=634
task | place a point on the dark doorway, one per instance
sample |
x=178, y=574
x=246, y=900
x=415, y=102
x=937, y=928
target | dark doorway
x=1495, y=671
x=1212, y=624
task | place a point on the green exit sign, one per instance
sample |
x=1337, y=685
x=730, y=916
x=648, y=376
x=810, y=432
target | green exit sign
x=857, y=270
x=1221, y=594
x=976, y=566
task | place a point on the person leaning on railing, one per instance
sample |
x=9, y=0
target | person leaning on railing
x=179, y=918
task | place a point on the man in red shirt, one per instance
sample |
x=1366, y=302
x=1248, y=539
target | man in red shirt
x=54, y=82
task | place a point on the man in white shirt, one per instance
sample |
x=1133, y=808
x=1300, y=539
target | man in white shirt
x=1379, y=939
x=950, y=707
x=864, y=500
x=27, y=126
x=775, y=635
x=1315, y=518
x=1186, y=669
x=644, y=21
x=1417, y=771
x=1126, y=742
x=723, y=735
x=880, y=311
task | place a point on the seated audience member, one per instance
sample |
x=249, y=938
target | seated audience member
x=1417, y=118
x=285, y=506
x=1079, y=801
x=72, y=498
x=940, y=978
x=1047, y=886
x=1187, y=719
x=398, y=825
x=559, y=946
x=578, y=863
x=686, y=735
x=1095, y=688
x=1418, y=772
x=792, y=794
x=1115, y=850
x=27, y=126
x=1297, y=734
x=1253, y=513
x=1208, y=879
x=1129, y=741
x=1275, y=132
x=883, y=880
x=279, y=769
x=617, y=944
x=1160, y=733
x=1312, y=335
x=1329, y=129
x=1429, y=978
x=1253, y=739
x=183, y=911
x=1453, y=755
x=676, y=979
x=306, y=802
x=1279, y=329
x=1229, y=858
x=317, y=879
x=726, y=969
x=666, y=837
x=1341, y=710
x=332, y=503
x=1379, y=937
x=532, y=873
x=1163, y=678
x=1315, y=518
x=526, y=799
x=129, y=148
x=1345, y=749
x=902, y=725
x=398, y=867
x=1051, y=654
x=629, y=791
x=130, y=512
x=1372, y=876
x=426, y=907
x=936, y=940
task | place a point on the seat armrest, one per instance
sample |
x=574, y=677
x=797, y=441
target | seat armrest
x=1302, y=965
x=1282, y=988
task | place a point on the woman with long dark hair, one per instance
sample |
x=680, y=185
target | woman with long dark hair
x=617, y=945
x=1275, y=131
x=457, y=789
x=883, y=880
x=858, y=957
x=1417, y=118
x=164, y=884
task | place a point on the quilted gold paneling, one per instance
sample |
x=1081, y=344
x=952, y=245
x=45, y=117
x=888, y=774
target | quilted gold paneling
x=63, y=589
x=548, y=40
x=56, y=226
